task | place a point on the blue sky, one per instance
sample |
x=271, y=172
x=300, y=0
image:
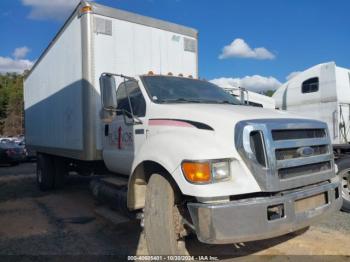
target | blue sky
x=265, y=40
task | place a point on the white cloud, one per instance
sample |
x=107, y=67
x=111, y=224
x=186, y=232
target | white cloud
x=293, y=74
x=8, y=64
x=255, y=83
x=20, y=52
x=50, y=9
x=239, y=48
x=17, y=64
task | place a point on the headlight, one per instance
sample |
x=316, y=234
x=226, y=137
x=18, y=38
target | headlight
x=220, y=170
x=206, y=171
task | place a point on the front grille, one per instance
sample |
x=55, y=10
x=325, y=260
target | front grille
x=290, y=153
x=291, y=172
x=285, y=153
x=289, y=147
x=298, y=134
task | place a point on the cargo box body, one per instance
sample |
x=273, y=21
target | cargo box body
x=61, y=93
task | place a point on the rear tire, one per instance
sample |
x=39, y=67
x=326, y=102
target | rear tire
x=45, y=172
x=160, y=217
x=344, y=173
x=61, y=171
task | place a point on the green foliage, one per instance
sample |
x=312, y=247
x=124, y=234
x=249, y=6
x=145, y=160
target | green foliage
x=11, y=104
x=269, y=92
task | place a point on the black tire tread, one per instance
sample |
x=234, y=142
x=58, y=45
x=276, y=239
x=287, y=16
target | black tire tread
x=61, y=170
x=45, y=163
x=159, y=219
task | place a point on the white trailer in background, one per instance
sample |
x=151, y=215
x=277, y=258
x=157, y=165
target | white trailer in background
x=322, y=92
x=251, y=98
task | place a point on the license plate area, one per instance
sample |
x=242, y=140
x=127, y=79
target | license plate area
x=309, y=203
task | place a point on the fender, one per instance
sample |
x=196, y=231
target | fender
x=168, y=149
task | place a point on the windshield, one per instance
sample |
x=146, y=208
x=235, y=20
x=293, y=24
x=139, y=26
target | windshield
x=169, y=89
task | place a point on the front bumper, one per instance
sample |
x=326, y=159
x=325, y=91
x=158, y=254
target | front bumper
x=247, y=219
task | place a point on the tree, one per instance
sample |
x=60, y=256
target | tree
x=269, y=92
x=11, y=104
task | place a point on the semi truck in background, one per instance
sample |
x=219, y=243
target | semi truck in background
x=117, y=94
x=251, y=98
x=322, y=92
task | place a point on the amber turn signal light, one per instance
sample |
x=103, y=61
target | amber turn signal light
x=197, y=172
x=86, y=9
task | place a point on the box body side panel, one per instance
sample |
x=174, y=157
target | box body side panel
x=53, y=96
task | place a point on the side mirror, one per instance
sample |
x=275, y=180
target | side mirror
x=108, y=91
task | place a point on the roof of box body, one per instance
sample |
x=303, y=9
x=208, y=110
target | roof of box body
x=142, y=20
x=121, y=15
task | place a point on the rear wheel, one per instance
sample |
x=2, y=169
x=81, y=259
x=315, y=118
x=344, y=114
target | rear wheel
x=344, y=174
x=45, y=172
x=61, y=171
x=162, y=219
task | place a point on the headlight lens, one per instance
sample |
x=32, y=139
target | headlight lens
x=206, y=172
x=220, y=170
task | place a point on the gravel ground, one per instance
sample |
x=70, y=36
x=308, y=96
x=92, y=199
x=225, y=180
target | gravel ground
x=64, y=223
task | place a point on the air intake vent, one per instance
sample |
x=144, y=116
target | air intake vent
x=190, y=45
x=258, y=147
x=298, y=134
x=103, y=26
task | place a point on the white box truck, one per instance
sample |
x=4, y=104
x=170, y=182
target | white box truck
x=322, y=92
x=117, y=93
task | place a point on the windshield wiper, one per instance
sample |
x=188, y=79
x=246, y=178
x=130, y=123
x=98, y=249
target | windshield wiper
x=217, y=102
x=179, y=100
x=184, y=100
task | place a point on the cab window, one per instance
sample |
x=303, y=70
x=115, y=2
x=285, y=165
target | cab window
x=138, y=103
x=310, y=85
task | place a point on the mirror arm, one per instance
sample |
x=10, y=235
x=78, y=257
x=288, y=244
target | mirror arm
x=125, y=113
x=138, y=120
x=112, y=109
x=119, y=75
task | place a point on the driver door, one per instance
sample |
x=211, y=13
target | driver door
x=124, y=136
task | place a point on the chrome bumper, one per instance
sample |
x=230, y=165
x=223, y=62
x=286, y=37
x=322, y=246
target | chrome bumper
x=247, y=219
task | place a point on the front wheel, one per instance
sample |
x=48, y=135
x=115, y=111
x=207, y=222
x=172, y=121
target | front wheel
x=344, y=174
x=162, y=218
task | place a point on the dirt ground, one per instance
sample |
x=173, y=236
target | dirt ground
x=64, y=223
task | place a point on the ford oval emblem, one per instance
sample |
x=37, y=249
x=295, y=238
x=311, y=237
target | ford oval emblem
x=305, y=151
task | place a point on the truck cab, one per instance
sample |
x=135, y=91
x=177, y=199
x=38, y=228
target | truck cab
x=228, y=163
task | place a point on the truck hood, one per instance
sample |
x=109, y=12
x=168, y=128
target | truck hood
x=216, y=115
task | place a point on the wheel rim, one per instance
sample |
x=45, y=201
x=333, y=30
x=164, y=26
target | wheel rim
x=345, y=179
x=39, y=175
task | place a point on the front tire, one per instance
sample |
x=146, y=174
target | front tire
x=45, y=172
x=161, y=216
x=344, y=174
